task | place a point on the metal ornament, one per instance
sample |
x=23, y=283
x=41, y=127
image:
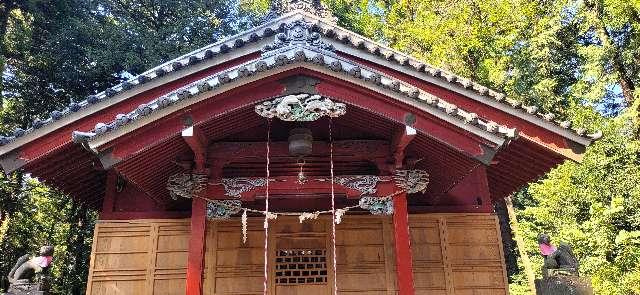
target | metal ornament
x=222, y=209
x=377, y=205
x=301, y=108
x=365, y=184
x=412, y=181
x=186, y=185
x=234, y=187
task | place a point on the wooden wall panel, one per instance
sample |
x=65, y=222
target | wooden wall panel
x=458, y=254
x=139, y=257
x=453, y=254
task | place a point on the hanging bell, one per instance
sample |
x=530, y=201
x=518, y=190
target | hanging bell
x=300, y=142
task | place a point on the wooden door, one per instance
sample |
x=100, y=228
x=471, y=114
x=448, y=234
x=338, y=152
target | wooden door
x=300, y=265
x=300, y=259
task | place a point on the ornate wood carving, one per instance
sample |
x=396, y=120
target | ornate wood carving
x=222, y=209
x=301, y=107
x=412, y=181
x=234, y=187
x=365, y=184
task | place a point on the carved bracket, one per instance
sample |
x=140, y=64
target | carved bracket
x=234, y=187
x=217, y=209
x=186, y=185
x=301, y=108
x=377, y=205
x=412, y=181
x=365, y=184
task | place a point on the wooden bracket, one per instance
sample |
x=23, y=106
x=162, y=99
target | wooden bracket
x=198, y=143
x=400, y=141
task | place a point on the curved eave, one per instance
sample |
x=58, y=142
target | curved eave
x=250, y=43
x=314, y=60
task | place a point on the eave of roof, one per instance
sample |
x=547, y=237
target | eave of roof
x=294, y=56
x=396, y=60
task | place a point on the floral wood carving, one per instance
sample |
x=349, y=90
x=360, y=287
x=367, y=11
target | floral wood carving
x=412, y=181
x=365, y=184
x=377, y=205
x=222, y=209
x=298, y=32
x=185, y=185
x=301, y=108
x=234, y=187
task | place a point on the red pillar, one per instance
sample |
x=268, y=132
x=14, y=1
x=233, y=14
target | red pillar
x=404, y=265
x=195, y=261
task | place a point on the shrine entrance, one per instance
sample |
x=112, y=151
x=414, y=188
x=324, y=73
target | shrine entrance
x=299, y=256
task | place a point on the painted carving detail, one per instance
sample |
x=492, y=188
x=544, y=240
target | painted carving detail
x=234, y=187
x=301, y=107
x=365, y=184
x=412, y=181
x=377, y=205
x=185, y=185
x=298, y=32
x=222, y=209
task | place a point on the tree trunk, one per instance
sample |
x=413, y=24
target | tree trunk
x=528, y=269
x=626, y=83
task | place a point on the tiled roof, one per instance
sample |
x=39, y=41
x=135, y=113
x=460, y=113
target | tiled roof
x=293, y=55
x=327, y=30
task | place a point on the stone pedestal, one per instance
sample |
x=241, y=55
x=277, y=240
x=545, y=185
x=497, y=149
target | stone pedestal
x=24, y=287
x=564, y=285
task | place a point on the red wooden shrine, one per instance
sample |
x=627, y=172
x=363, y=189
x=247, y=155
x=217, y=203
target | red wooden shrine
x=196, y=115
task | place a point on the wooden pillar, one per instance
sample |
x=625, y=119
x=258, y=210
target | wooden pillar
x=194, y=137
x=195, y=262
x=404, y=265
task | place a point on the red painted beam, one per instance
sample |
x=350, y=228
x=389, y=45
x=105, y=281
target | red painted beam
x=404, y=264
x=61, y=137
x=530, y=131
x=195, y=262
x=454, y=137
x=108, y=202
x=288, y=185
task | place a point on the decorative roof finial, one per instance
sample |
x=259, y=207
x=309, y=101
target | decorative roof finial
x=315, y=7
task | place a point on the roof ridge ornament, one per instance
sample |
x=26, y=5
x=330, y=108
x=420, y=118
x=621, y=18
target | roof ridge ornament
x=313, y=7
x=297, y=33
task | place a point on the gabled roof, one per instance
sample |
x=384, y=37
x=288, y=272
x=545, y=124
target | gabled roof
x=350, y=43
x=464, y=124
x=302, y=55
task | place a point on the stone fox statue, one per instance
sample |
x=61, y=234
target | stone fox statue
x=26, y=267
x=557, y=261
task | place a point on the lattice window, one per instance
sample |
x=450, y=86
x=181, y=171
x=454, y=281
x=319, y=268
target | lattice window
x=301, y=266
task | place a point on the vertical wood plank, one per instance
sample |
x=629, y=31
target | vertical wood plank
x=388, y=259
x=151, y=268
x=446, y=262
x=195, y=261
x=404, y=264
x=92, y=258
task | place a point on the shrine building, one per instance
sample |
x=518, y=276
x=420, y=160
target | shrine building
x=295, y=158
